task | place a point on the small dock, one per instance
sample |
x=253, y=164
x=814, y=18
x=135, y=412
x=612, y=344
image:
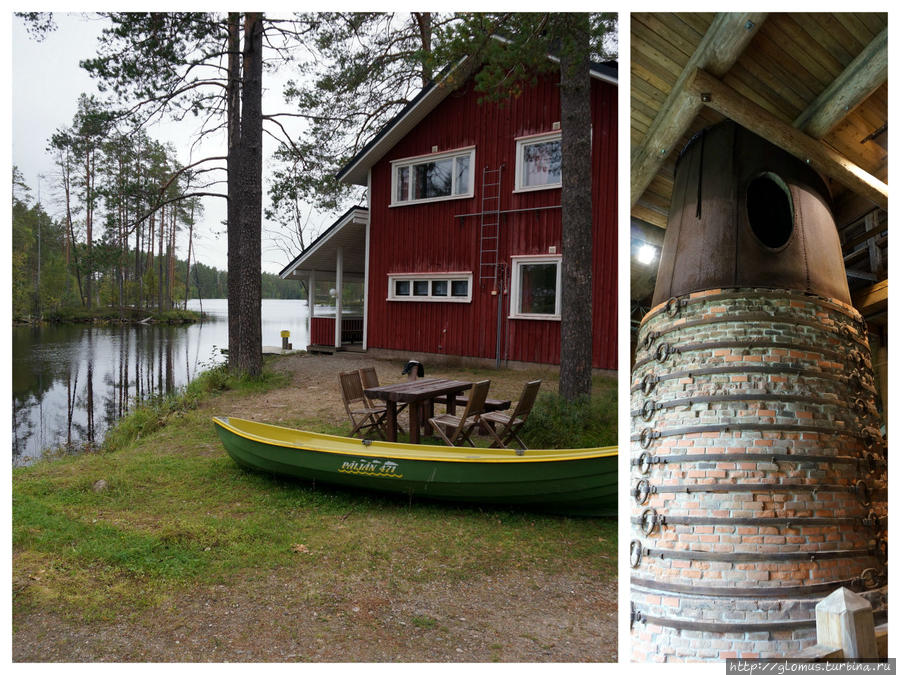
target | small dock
x=270, y=349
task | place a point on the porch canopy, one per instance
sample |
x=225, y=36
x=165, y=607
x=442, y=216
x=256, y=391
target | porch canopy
x=338, y=255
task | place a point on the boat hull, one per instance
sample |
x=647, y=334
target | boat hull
x=574, y=482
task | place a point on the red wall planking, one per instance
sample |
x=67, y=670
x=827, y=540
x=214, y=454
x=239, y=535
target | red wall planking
x=322, y=331
x=428, y=238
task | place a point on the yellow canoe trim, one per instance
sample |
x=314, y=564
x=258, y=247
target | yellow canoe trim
x=271, y=434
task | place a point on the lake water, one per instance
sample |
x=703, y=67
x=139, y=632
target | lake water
x=71, y=382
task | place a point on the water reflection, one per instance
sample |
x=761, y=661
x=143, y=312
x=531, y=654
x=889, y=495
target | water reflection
x=71, y=382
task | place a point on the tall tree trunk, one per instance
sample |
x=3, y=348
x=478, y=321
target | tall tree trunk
x=89, y=224
x=151, y=238
x=187, y=274
x=122, y=239
x=233, y=113
x=250, y=199
x=66, y=167
x=575, y=103
x=159, y=259
x=138, y=236
x=424, y=21
x=170, y=277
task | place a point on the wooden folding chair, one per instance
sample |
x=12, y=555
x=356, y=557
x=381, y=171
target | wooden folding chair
x=457, y=429
x=504, y=427
x=363, y=415
x=369, y=378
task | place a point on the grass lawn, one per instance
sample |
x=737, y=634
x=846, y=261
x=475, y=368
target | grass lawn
x=179, y=532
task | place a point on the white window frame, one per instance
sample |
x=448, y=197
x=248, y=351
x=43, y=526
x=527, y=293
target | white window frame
x=523, y=141
x=430, y=277
x=517, y=261
x=410, y=162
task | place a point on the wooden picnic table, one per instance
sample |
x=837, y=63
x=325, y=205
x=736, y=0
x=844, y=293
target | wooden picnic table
x=420, y=395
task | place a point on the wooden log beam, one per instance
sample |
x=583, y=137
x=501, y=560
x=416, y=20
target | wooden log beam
x=855, y=84
x=872, y=299
x=649, y=215
x=725, y=100
x=723, y=43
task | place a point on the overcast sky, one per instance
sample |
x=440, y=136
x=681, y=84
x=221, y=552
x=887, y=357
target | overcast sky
x=46, y=84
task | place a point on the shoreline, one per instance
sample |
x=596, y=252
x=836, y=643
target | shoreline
x=160, y=548
x=113, y=315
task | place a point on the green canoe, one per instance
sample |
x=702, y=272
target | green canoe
x=576, y=482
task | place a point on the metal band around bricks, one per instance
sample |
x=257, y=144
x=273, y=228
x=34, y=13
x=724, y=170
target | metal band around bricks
x=650, y=519
x=868, y=580
x=649, y=407
x=748, y=317
x=868, y=463
x=715, y=556
x=649, y=380
x=673, y=306
x=861, y=489
x=664, y=349
x=749, y=426
x=732, y=627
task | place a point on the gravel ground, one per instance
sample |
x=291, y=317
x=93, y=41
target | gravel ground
x=514, y=617
x=559, y=618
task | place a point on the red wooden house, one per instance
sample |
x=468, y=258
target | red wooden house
x=459, y=251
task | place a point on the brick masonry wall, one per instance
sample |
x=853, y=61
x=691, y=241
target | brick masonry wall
x=758, y=476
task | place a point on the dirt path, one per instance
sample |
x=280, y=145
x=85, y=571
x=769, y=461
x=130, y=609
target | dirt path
x=559, y=618
x=314, y=393
x=518, y=616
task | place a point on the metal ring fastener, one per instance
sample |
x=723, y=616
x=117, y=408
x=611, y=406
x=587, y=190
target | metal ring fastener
x=648, y=409
x=855, y=378
x=636, y=553
x=869, y=578
x=644, y=462
x=649, y=521
x=663, y=351
x=648, y=382
x=872, y=521
x=862, y=493
x=649, y=338
x=870, y=437
x=642, y=491
x=673, y=306
x=636, y=616
x=647, y=436
x=879, y=550
x=872, y=460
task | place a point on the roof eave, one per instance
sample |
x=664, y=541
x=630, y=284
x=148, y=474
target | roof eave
x=356, y=172
x=323, y=238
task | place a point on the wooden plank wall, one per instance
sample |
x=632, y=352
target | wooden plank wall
x=428, y=238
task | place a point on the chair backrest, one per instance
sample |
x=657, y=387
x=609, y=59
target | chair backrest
x=351, y=387
x=369, y=377
x=526, y=400
x=477, y=397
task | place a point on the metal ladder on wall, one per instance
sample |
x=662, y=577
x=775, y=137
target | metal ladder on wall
x=489, y=241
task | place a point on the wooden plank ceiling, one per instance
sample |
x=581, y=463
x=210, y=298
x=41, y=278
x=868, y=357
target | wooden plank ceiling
x=821, y=82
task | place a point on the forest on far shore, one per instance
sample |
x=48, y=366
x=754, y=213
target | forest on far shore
x=55, y=274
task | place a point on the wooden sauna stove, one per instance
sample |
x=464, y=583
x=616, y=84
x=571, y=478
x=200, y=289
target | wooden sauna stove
x=758, y=467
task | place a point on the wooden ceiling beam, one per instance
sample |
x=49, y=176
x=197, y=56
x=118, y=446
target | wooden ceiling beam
x=872, y=299
x=649, y=215
x=711, y=91
x=855, y=84
x=723, y=43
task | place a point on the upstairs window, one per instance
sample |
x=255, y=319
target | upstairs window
x=539, y=162
x=435, y=177
x=536, y=284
